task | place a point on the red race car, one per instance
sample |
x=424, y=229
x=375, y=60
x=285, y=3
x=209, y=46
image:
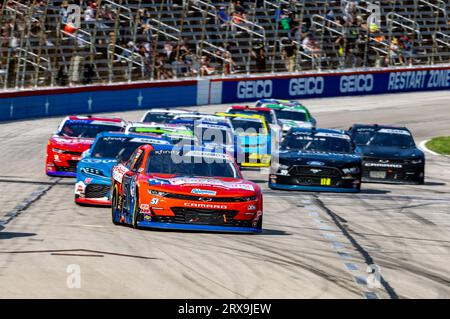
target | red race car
x=192, y=188
x=75, y=135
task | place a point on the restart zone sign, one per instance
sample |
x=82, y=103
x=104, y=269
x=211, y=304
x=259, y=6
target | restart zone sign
x=328, y=85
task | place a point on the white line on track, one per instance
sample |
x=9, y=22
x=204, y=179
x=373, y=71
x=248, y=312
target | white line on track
x=424, y=148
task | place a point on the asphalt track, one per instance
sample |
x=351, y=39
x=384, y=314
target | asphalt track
x=314, y=245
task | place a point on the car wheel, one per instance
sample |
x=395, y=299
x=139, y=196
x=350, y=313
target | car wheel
x=114, y=205
x=260, y=222
x=136, y=211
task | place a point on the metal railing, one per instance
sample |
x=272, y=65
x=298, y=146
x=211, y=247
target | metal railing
x=27, y=60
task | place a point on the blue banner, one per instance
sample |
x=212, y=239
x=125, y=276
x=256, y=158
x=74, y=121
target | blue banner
x=83, y=101
x=339, y=84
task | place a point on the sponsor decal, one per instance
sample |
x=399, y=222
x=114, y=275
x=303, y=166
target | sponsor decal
x=181, y=181
x=206, y=206
x=73, y=140
x=99, y=161
x=254, y=89
x=145, y=208
x=87, y=180
x=79, y=188
x=356, y=83
x=316, y=163
x=251, y=207
x=199, y=191
x=306, y=86
x=394, y=131
x=154, y=201
x=118, y=172
x=149, y=141
x=315, y=170
x=335, y=135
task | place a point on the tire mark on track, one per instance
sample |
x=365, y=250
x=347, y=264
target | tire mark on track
x=20, y=208
x=365, y=254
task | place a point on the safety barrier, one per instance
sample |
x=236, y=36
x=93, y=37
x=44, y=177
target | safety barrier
x=96, y=99
x=23, y=104
x=326, y=84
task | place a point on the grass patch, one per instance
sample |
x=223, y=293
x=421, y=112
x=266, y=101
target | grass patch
x=439, y=145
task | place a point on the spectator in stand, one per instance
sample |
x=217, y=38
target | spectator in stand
x=228, y=63
x=169, y=52
x=89, y=13
x=259, y=56
x=406, y=49
x=289, y=54
x=224, y=18
x=205, y=67
x=310, y=46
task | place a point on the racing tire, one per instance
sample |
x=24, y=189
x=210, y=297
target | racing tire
x=114, y=200
x=136, y=213
x=260, y=223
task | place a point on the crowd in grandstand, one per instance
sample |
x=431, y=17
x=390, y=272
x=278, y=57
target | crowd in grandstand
x=361, y=39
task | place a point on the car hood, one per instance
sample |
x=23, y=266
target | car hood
x=389, y=152
x=103, y=164
x=317, y=158
x=202, y=186
x=71, y=143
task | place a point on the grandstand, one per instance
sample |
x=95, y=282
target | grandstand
x=126, y=40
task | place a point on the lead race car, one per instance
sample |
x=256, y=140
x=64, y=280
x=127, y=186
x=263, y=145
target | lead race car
x=191, y=188
x=93, y=182
x=75, y=135
x=389, y=154
x=316, y=160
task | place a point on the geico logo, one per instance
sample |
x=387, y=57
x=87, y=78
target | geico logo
x=209, y=206
x=356, y=83
x=252, y=89
x=306, y=86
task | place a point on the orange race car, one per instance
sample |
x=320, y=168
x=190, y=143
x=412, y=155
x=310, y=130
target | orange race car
x=165, y=186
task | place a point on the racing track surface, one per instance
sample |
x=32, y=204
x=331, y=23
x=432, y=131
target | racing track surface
x=313, y=246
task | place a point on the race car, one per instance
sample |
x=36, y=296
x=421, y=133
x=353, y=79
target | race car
x=389, y=154
x=75, y=135
x=268, y=113
x=211, y=134
x=161, y=115
x=252, y=139
x=316, y=160
x=192, y=188
x=289, y=113
x=93, y=182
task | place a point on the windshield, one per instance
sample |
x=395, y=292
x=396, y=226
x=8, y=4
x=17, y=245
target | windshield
x=267, y=115
x=212, y=134
x=402, y=140
x=248, y=126
x=112, y=146
x=362, y=136
x=86, y=130
x=206, y=164
x=292, y=115
x=319, y=142
x=158, y=117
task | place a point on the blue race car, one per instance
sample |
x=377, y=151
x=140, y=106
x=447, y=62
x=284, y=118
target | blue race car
x=316, y=160
x=94, y=170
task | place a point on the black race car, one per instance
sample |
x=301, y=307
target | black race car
x=389, y=154
x=316, y=160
